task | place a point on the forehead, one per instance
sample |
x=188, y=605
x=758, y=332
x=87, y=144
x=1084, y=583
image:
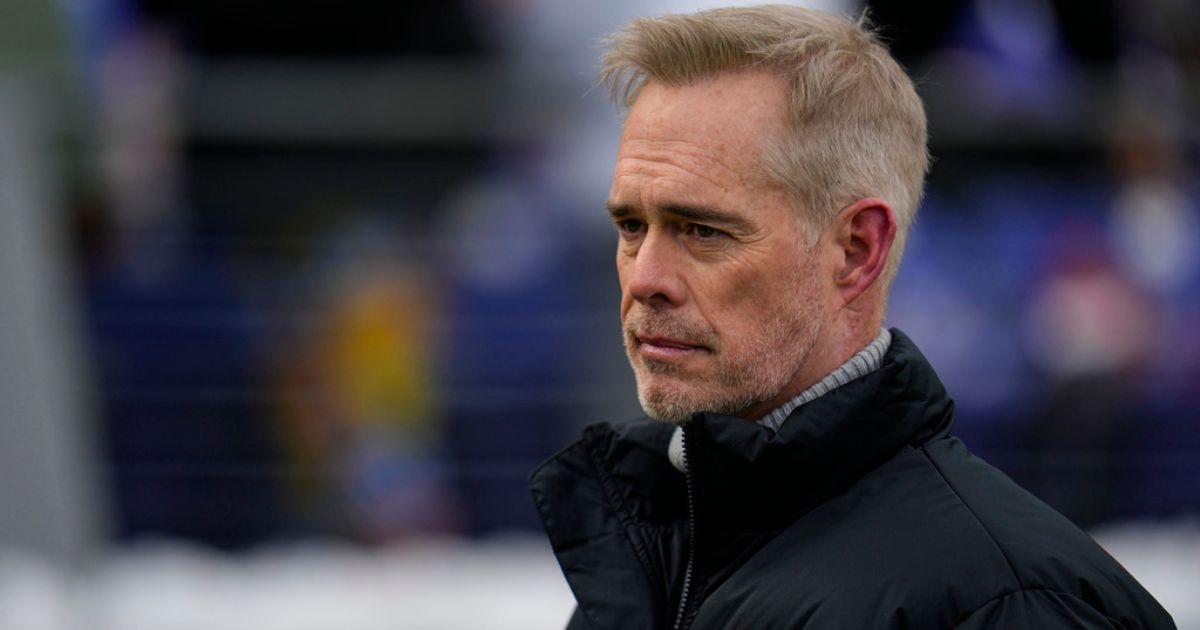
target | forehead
x=720, y=123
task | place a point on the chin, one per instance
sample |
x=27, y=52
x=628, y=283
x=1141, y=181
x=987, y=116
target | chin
x=676, y=402
x=666, y=414
x=669, y=402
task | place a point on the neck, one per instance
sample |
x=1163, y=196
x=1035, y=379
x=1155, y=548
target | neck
x=850, y=331
x=866, y=360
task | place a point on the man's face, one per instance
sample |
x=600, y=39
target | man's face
x=722, y=294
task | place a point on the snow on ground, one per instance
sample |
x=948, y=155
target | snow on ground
x=1165, y=558
x=499, y=584
x=442, y=585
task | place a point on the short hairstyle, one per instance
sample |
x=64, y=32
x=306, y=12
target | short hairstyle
x=856, y=127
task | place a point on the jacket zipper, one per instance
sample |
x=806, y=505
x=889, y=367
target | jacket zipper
x=691, y=520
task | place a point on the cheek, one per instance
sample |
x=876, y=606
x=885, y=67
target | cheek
x=751, y=282
x=733, y=299
x=744, y=300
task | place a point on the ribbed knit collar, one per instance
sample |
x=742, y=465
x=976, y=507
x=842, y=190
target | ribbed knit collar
x=861, y=364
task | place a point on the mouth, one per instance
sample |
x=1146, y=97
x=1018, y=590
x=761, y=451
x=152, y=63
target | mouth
x=660, y=348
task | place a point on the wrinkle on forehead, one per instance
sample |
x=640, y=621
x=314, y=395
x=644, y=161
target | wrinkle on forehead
x=699, y=165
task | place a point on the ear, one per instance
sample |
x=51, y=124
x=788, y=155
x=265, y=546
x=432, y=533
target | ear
x=864, y=232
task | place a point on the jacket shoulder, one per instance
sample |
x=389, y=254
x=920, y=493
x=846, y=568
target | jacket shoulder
x=1037, y=608
x=928, y=540
x=895, y=550
x=1057, y=567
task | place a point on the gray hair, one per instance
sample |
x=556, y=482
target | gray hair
x=856, y=127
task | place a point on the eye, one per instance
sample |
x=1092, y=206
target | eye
x=629, y=226
x=704, y=231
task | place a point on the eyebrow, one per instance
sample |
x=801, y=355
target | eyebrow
x=692, y=213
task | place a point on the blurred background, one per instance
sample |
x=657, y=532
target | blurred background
x=294, y=296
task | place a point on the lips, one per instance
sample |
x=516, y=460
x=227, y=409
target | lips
x=661, y=348
x=667, y=342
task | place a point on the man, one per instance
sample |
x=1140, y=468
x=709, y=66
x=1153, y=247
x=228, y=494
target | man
x=770, y=166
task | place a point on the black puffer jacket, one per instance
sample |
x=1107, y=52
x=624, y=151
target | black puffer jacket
x=861, y=512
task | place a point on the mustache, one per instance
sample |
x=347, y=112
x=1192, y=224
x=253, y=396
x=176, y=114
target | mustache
x=653, y=325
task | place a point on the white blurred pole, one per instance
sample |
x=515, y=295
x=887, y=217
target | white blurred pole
x=48, y=477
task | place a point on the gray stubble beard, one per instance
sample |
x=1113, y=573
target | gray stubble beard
x=743, y=388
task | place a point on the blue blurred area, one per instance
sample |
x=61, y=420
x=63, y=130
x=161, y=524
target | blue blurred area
x=1072, y=369
x=360, y=285
x=186, y=445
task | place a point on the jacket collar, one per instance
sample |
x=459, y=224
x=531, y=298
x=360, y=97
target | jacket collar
x=862, y=363
x=750, y=478
x=615, y=509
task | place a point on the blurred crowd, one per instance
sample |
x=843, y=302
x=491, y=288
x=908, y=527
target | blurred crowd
x=344, y=271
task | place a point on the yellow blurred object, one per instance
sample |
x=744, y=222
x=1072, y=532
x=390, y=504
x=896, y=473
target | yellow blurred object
x=377, y=356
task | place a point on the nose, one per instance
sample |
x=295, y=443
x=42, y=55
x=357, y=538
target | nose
x=653, y=275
